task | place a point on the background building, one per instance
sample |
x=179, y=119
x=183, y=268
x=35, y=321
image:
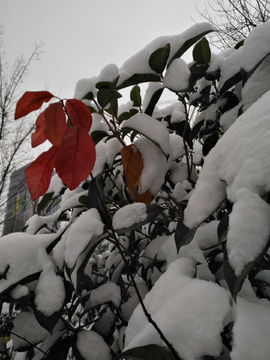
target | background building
x=20, y=206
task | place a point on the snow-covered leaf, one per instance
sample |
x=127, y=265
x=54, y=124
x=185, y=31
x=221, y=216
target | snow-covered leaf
x=158, y=59
x=202, y=52
x=183, y=235
x=138, y=79
x=187, y=44
x=105, y=96
x=90, y=346
x=133, y=216
x=146, y=352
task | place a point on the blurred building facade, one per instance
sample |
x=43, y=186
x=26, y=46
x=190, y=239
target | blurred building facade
x=20, y=207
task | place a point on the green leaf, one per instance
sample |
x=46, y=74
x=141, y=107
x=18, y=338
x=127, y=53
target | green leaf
x=154, y=100
x=202, y=52
x=209, y=143
x=96, y=199
x=158, y=59
x=138, y=79
x=152, y=211
x=233, y=80
x=60, y=349
x=183, y=235
x=92, y=109
x=212, y=75
x=183, y=129
x=223, y=227
x=98, y=135
x=187, y=44
x=44, y=202
x=107, y=84
x=147, y=352
x=197, y=72
x=48, y=322
x=235, y=282
x=88, y=96
x=105, y=96
x=135, y=96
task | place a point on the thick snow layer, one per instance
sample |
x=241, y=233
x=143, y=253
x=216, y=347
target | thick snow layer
x=249, y=229
x=177, y=76
x=129, y=215
x=209, y=192
x=256, y=47
x=155, y=166
x=50, y=291
x=240, y=159
x=251, y=331
x=56, y=185
x=91, y=346
x=89, y=224
x=101, y=158
x=104, y=293
x=26, y=325
x=177, y=145
x=138, y=63
x=230, y=67
x=20, y=256
x=151, y=128
x=151, y=89
x=85, y=86
x=206, y=303
x=113, y=147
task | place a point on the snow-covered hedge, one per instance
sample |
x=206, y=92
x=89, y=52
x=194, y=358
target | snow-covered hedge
x=163, y=251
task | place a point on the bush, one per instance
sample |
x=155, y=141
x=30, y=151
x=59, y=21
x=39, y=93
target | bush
x=163, y=250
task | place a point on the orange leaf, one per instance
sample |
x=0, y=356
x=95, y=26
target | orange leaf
x=146, y=197
x=75, y=157
x=38, y=174
x=38, y=137
x=79, y=114
x=55, y=123
x=31, y=101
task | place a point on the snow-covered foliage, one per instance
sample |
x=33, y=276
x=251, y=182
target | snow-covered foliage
x=163, y=251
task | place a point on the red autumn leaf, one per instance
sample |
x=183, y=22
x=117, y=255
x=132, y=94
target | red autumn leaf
x=55, y=123
x=75, y=157
x=38, y=174
x=146, y=197
x=38, y=137
x=79, y=114
x=31, y=101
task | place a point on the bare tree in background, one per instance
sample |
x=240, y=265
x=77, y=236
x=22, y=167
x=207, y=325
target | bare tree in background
x=13, y=135
x=235, y=19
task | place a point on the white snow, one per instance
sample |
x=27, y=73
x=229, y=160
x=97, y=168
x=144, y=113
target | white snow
x=26, y=325
x=256, y=46
x=155, y=166
x=249, y=229
x=91, y=346
x=251, y=331
x=240, y=159
x=89, y=224
x=205, y=303
x=103, y=294
x=138, y=63
x=177, y=76
x=21, y=253
x=113, y=147
x=151, y=128
x=129, y=215
x=50, y=291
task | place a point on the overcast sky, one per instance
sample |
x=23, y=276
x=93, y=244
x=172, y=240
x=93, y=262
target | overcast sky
x=83, y=36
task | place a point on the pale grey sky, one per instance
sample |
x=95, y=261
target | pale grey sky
x=83, y=36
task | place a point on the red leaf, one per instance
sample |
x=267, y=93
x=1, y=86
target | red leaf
x=55, y=123
x=133, y=167
x=38, y=174
x=75, y=157
x=38, y=137
x=79, y=114
x=31, y=101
